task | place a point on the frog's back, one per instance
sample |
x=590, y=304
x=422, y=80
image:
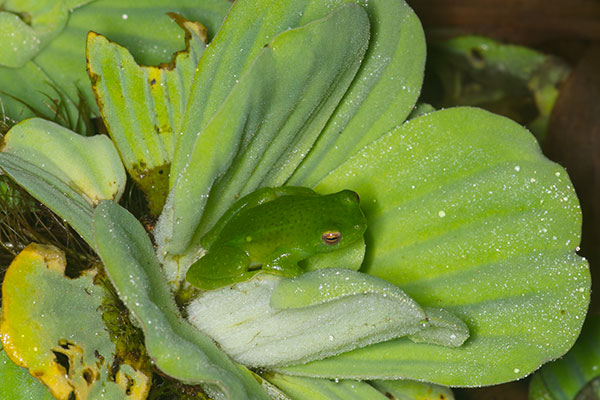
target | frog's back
x=281, y=222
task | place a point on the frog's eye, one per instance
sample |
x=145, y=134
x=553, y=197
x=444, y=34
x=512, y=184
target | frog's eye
x=357, y=197
x=330, y=238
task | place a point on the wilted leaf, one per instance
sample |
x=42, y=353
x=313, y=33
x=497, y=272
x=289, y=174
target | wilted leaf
x=40, y=307
x=142, y=107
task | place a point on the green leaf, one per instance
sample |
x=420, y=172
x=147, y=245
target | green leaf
x=17, y=382
x=261, y=331
x=177, y=349
x=144, y=28
x=443, y=328
x=300, y=388
x=67, y=172
x=53, y=193
x=389, y=77
x=465, y=213
x=89, y=165
x=39, y=330
x=279, y=104
x=142, y=107
x=382, y=95
x=26, y=26
x=322, y=286
x=564, y=379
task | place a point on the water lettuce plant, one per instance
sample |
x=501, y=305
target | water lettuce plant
x=471, y=233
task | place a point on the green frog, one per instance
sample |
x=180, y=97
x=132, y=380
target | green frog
x=271, y=230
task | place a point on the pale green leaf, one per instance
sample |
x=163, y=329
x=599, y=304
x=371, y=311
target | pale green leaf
x=27, y=26
x=465, y=213
x=67, y=172
x=350, y=257
x=89, y=165
x=280, y=103
x=443, y=328
x=176, y=347
x=345, y=315
x=322, y=286
x=380, y=97
x=53, y=193
x=143, y=27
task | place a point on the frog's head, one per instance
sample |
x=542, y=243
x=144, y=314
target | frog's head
x=343, y=221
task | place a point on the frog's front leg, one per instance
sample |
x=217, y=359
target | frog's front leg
x=222, y=267
x=285, y=264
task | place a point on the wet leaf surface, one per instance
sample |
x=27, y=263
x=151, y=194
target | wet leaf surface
x=40, y=305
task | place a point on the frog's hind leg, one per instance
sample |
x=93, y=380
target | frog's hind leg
x=220, y=268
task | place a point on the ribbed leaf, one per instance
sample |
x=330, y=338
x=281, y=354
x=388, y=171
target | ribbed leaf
x=278, y=105
x=465, y=213
x=142, y=107
x=143, y=27
x=177, y=349
x=388, y=76
x=381, y=96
